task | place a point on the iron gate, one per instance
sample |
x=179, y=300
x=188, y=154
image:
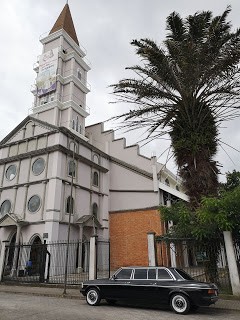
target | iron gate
x=45, y=263
x=202, y=262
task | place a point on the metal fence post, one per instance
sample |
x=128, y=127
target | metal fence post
x=232, y=264
x=93, y=258
x=2, y=257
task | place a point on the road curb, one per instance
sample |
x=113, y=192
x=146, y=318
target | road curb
x=45, y=294
x=223, y=304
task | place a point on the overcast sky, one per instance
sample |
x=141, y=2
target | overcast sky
x=105, y=28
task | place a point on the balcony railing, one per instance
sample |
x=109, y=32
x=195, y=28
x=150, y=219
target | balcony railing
x=55, y=97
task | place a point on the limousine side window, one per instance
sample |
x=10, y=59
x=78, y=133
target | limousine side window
x=124, y=274
x=140, y=274
x=152, y=274
x=163, y=275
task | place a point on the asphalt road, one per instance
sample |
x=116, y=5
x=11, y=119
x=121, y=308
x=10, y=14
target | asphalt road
x=22, y=307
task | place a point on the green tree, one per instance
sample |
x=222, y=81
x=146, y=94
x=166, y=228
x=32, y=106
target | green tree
x=212, y=217
x=233, y=181
x=207, y=223
x=186, y=88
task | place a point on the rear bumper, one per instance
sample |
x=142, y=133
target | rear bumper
x=207, y=301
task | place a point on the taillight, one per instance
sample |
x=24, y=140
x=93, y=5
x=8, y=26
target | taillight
x=212, y=291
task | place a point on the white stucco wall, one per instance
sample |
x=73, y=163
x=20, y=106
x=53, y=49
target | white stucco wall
x=124, y=178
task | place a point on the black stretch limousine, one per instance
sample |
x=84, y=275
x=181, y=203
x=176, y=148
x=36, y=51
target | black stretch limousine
x=156, y=285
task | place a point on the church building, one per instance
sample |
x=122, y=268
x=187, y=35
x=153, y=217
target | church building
x=54, y=169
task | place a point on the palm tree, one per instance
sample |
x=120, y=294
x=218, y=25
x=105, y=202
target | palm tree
x=186, y=88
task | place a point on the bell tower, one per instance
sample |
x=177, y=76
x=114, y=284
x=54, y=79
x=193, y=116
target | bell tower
x=61, y=83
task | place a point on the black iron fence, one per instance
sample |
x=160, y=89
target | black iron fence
x=202, y=262
x=45, y=263
x=236, y=243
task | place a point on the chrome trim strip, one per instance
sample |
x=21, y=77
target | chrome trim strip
x=143, y=285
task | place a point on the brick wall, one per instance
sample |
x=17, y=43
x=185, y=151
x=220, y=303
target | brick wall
x=128, y=236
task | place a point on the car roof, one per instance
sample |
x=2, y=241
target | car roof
x=144, y=267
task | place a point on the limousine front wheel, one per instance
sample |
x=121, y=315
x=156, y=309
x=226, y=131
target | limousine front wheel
x=93, y=297
x=180, y=303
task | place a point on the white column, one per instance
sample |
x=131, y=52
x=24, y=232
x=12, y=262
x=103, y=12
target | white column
x=232, y=264
x=154, y=173
x=2, y=257
x=151, y=249
x=93, y=258
x=172, y=245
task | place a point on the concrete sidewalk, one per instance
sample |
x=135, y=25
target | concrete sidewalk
x=224, y=302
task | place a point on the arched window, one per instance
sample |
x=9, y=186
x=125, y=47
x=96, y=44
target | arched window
x=77, y=124
x=71, y=168
x=95, y=179
x=177, y=187
x=95, y=209
x=96, y=158
x=73, y=124
x=167, y=182
x=79, y=74
x=70, y=205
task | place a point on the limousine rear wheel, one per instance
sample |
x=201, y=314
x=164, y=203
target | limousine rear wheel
x=93, y=297
x=180, y=303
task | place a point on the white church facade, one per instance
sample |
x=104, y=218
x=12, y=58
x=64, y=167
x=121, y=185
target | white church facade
x=109, y=183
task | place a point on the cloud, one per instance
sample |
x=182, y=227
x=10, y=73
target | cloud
x=105, y=29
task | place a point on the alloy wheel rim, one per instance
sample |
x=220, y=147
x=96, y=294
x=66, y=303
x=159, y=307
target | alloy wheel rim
x=92, y=296
x=179, y=304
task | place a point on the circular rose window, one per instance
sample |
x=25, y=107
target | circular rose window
x=5, y=207
x=34, y=203
x=38, y=166
x=11, y=172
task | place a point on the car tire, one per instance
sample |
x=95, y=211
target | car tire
x=111, y=302
x=180, y=303
x=93, y=297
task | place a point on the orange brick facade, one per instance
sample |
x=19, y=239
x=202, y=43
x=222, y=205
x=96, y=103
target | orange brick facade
x=128, y=236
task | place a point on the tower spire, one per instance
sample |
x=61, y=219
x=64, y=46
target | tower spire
x=65, y=22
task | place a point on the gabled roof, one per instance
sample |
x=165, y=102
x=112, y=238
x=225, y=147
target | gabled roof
x=89, y=221
x=11, y=219
x=44, y=124
x=65, y=22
